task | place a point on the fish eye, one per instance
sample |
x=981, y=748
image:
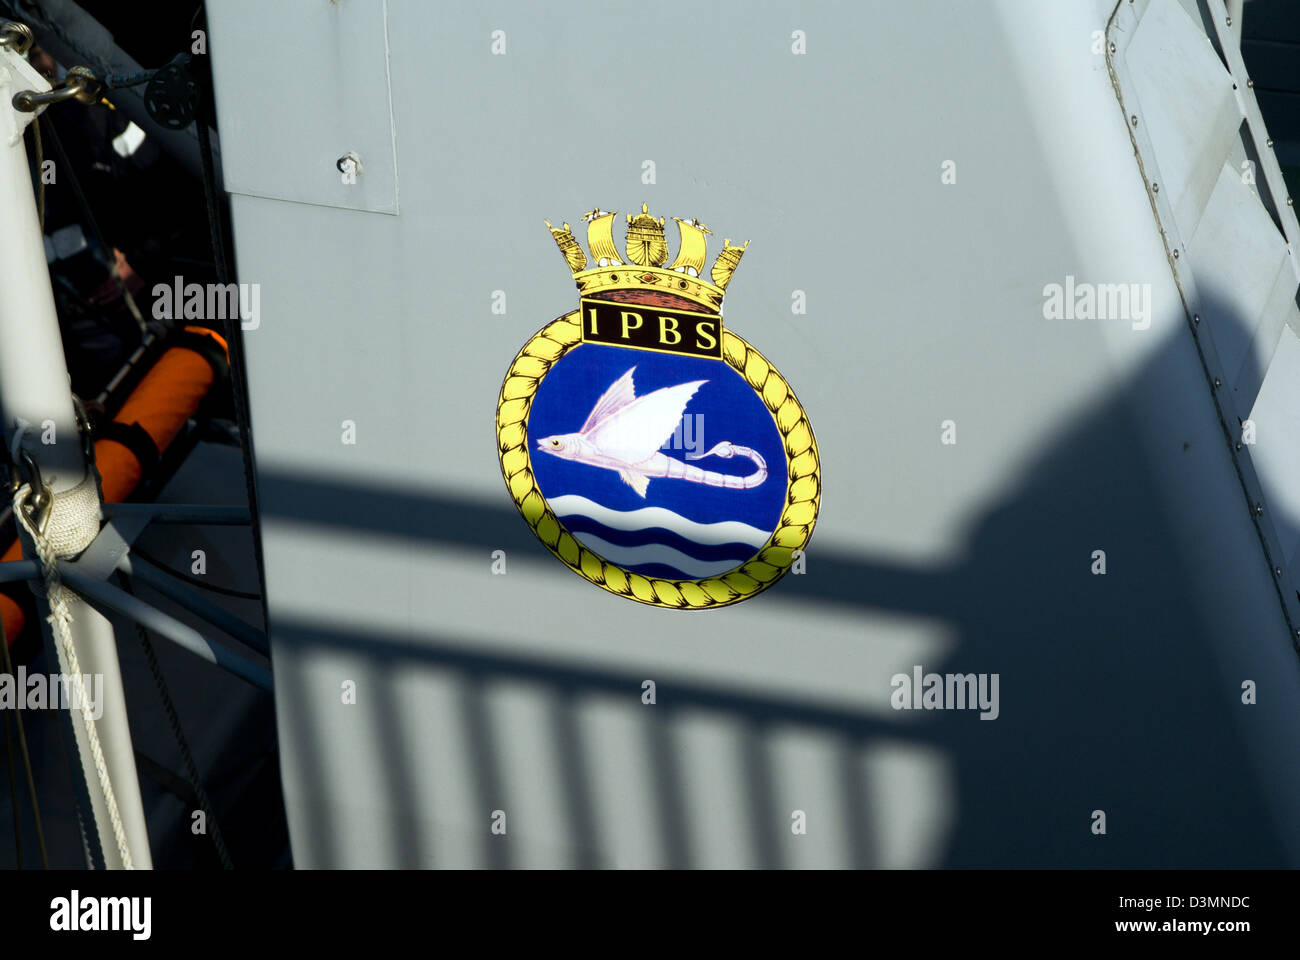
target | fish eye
x=555, y=443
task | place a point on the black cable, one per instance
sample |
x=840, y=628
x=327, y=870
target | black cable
x=6, y=664
x=215, y=232
x=82, y=805
x=13, y=789
x=191, y=768
x=193, y=581
x=105, y=249
x=234, y=338
x=120, y=80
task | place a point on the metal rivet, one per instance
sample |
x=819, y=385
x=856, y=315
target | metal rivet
x=1155, y=188
x=1230, y=21
x=1259, y=509
x=1175, y=254
x=1289, y=202
x=1238, y=446
x=1134, y=120
x=1196, y=319
x=1217, y=383
x=1250, y=83
x=1269, y=143
x=1277, y=571
x=1112, y=48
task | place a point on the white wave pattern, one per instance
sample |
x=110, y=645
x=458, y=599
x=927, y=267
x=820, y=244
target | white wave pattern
x=708, y=534
x=656, y=553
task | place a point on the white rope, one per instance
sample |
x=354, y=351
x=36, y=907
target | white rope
x=74, y=519
x=68, y=527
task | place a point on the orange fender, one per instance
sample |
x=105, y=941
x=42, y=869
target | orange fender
x=161, y=403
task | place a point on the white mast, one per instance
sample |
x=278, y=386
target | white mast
x=36, y=406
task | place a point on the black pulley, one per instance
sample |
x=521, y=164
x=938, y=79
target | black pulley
x=172, y=96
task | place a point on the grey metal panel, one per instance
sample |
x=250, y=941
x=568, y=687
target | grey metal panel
x=1180, y=91
x=1186, y=99
x=1276, y=452
x=1241, y=259
x=303, y=83
x=522, y=692
x=1236, y=273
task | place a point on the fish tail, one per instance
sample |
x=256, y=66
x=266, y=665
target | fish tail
x=726, y=450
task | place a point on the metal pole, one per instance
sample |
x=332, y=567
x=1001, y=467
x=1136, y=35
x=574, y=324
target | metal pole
x=37, y=415
x=196, y=513
x=165, y=625
x=200, y=606
x=133, y=608
x=35, y=399
x=15, y=570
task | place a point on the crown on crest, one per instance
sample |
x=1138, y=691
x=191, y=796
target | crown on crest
x=640, y=272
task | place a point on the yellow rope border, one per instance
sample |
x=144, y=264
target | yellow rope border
x=803, y=470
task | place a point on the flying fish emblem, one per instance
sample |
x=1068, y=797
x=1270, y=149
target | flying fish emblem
x=624, y=432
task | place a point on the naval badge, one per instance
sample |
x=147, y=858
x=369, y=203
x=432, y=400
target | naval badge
x=650, y=448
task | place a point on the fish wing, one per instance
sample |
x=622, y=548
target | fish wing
x=633, y=432
x=619, y=394
x=637, y=481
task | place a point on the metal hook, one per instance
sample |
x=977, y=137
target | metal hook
x=16, y=35
x=85, y=428
x=28, y=470
x=40, y=499
x=81, y=84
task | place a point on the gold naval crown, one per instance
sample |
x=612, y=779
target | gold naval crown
x=646, y=250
